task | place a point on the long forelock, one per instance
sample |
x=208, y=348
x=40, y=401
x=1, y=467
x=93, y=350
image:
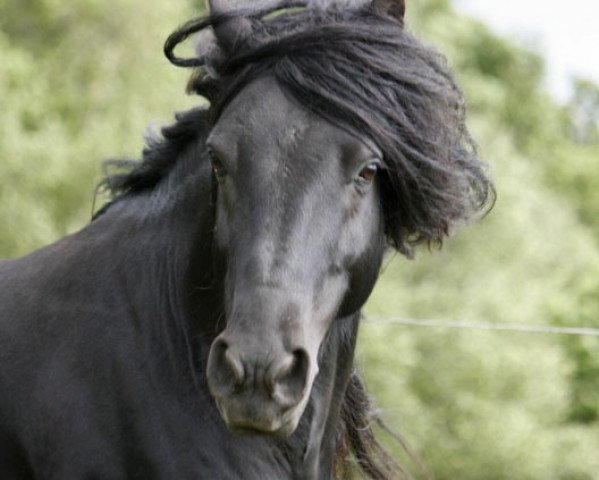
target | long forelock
x=361, y=68
x=358, y=68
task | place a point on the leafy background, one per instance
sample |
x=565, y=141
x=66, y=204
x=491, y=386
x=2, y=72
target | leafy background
x=81, y=80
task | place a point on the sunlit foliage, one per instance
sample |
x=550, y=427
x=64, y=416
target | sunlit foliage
x=499, y=405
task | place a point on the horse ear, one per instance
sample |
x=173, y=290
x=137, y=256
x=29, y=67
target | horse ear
x=230, y=31
x=393, y=8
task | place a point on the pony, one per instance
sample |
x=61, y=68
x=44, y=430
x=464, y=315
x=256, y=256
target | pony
x=203, y=324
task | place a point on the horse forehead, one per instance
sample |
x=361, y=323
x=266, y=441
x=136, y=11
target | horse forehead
x=264, y=115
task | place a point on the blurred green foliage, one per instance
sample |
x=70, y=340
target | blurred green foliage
x=81, y=80
x=498, y=405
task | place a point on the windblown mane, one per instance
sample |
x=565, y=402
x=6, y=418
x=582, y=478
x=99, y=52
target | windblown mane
x=360, y=69
x=158, y=158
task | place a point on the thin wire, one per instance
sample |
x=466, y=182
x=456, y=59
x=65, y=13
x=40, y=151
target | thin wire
x=506, y=327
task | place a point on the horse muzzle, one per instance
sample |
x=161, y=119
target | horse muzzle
x=259, y=387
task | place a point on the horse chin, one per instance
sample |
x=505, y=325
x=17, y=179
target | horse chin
x=259, y=418
x=242, y=430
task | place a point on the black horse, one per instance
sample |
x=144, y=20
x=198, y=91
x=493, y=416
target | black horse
x=203, y=325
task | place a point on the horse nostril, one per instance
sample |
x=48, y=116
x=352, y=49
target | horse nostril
x=289, y=380
x=225, y=369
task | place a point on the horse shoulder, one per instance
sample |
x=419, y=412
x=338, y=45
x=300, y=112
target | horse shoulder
x=68, y=358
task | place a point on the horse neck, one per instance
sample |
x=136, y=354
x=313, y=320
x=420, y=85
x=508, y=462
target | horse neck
x=160, y=241
x=176, y=288
x=315, y=441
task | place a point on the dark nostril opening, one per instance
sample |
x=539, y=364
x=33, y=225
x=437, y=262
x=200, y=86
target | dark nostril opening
x=290, y=381
x=225, y=370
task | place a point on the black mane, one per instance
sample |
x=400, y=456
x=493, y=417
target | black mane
x=158, y=158
x=362, y=70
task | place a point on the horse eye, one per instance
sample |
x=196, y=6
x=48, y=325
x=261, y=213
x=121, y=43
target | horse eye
x=368, y=173
x=218, y=166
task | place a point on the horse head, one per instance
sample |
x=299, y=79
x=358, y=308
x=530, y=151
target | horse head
x=300, y=226
x=334, y=133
